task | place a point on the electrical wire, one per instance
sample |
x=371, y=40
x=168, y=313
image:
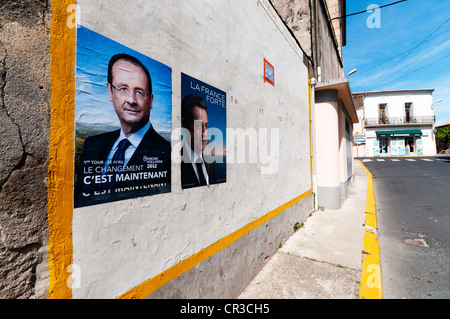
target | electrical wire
x=418, y=58
x=423, y=67
x=368, y=10
x=397, y=56
x=412, y=50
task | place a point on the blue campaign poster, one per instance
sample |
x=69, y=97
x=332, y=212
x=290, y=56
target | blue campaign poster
x=194, y=93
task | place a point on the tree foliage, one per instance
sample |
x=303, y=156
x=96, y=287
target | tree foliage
x=443, y=133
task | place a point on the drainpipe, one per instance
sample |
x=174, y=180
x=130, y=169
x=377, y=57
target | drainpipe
x=313, y=83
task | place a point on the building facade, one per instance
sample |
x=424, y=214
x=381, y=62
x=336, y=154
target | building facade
x=320, y=28
x=396, y=122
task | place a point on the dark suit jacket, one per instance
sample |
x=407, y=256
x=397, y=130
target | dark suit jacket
x=188, y=177
x=152, y=156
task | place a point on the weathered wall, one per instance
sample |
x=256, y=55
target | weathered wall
x=321, y=39
x=118, y=246
x=24, y=131
x=336, y=9
x=297, y=16
x=327, y=54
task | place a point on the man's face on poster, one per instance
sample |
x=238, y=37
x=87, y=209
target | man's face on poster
x=199, y=129
x=129, y=95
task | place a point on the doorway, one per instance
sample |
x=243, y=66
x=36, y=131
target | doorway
x=410, y=147
x=384, y=149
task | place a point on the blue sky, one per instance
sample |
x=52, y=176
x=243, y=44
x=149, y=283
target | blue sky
x=409, y=50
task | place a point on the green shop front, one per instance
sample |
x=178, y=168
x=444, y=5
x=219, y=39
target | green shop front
x=399, y=142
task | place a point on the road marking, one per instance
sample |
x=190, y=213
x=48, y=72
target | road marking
x=367, y=160
x=380, y=160
x=444, y=160
x=395, y=160
x=371, y=285
x=427, y=160
x=410, y=160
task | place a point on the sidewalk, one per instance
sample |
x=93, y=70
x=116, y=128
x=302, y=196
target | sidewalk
x=323, y=259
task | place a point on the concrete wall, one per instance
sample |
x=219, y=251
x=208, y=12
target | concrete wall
x=336, y=9
x=320, y=39
x=118, y=247
x=334, y=155
x=232, y=269
x=359, y=128
x=328, y=156
x=345, y=152
x=327, y=50
x=24, y=128
x=323, y=46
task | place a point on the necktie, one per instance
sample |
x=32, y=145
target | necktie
x=117, y=163
x=119, y=156
x=200, y=173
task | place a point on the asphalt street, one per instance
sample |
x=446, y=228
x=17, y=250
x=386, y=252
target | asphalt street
x=413, y=208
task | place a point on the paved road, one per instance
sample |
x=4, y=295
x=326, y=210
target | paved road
x=413, y=208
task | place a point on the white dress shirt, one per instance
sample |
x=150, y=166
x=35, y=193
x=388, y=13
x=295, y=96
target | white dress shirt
x=135, y=139
x=195, y=159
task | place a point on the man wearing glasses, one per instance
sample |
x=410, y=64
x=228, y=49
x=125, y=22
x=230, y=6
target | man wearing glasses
x=130, y=162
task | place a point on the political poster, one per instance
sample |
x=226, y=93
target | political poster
x=123, y=122
x=203, y=119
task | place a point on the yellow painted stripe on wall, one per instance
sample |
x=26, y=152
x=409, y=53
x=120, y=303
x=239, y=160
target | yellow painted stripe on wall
x=371, y=284
x=60, y=169
x=150, y=286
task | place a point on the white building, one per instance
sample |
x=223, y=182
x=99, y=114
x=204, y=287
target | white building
x=398, y=122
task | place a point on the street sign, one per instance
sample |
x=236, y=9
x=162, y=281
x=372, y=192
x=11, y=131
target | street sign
x=359, y=138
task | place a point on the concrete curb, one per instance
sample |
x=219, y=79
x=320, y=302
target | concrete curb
x=371, y=284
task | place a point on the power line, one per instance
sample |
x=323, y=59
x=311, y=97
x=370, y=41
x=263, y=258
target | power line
x=383, y=81
x=400, y=77
x=398, y=55
x=412, y=50
x=368, y=10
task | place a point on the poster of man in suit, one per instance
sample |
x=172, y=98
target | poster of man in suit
x=203, y=118
x=123, y=122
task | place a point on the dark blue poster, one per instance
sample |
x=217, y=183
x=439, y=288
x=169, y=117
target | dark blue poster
x=204, y=124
